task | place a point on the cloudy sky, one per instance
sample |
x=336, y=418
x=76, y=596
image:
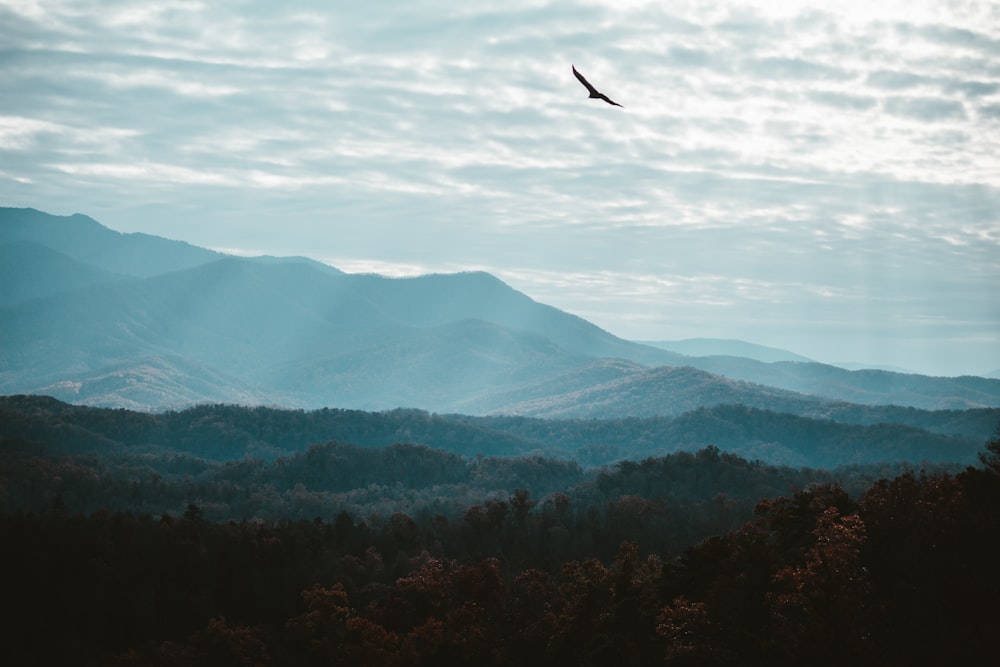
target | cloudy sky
x=819, y=176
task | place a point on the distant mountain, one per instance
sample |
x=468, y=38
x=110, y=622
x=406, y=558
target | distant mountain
x=714, y=347
x=305, y=261
x=157, y=382
x=856, y=366
x=868, y=387
x=666, y=391
x=30, y=270
x=434, y=300
x=87, y=241
x=455, y=367
x=279, y=330
x=313, y=338
x=94, y=316
x=859, y=383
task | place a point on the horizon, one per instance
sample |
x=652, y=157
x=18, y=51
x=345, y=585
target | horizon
x=822, y=180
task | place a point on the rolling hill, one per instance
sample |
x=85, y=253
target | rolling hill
x=233, y=433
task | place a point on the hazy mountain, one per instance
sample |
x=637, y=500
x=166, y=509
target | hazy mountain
x=453, y=367
x=858, y=366
x=869, y=387
x=30, y=270
x=709, y=347
x=271, y=259
x=437, y=299
x=95, y=316
x=315, y=337
x=666, y=391
x=529, y=396
x=86, y=240
x=161, y=382
x=859, y=383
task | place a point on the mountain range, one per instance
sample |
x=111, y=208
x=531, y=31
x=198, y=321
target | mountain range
x=93, y=316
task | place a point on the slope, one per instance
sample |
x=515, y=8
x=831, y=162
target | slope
x=30, y=270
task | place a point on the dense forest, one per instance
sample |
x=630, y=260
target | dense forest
x=254, y=463
x=846, y=434
x=120, y=549
x=904, y=574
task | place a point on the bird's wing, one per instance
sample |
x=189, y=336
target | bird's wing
x=584, y=81
x=609, y=100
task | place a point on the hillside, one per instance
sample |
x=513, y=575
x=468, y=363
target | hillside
x=225, y=432
x=30, y=270
x=667, y=391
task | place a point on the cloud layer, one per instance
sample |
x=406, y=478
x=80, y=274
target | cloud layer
x=822, y=179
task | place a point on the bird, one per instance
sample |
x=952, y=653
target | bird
x=594, y=93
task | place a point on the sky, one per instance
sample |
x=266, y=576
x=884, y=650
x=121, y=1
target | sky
x=822, y=177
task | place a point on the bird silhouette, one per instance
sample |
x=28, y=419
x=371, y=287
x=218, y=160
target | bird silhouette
x=594, y=93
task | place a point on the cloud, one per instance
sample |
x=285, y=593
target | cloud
x=955, y=37
x=973, y=89
x=989, y=111
x=924, y=108
x=773, y=67
x=896, y=80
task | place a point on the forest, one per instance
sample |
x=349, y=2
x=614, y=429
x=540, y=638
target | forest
x=118, y=553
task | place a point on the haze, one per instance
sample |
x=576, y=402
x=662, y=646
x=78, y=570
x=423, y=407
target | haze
x=820, y=179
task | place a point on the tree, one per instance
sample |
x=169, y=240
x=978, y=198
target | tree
x=991, y=457
x=689, y=633
x=521, y=504
x=819, y=605
x=320, y=631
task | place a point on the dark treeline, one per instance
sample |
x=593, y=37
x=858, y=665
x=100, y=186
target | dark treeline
x=847, y=435
x=906, y=573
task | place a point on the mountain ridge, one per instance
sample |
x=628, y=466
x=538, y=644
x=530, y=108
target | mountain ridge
x=196, y=325
x=86, y=240
x=726, y=347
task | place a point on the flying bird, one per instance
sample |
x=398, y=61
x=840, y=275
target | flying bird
x=594, y=93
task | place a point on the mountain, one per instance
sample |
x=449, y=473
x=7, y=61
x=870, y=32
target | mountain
x=89, y=242
x=316, y=337
x=667, y=391
x=774, y=367
x=868, y=387
x=454, y=367
x=726, y=347
x=162, y=382
x=30, y=270
x=434, y=300
x=859, y=366
x=278, y=330
x=130, y=320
